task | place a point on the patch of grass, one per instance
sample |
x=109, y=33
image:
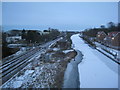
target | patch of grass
x=59, y=77
x=59, y=54
x=50, y=51
x=71, y=54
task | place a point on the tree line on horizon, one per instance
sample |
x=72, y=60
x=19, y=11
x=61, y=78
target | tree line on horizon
x=30, y=37
x=33, y=36
x=111, y=27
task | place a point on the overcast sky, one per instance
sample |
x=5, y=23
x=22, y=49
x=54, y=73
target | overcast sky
x=61, y=15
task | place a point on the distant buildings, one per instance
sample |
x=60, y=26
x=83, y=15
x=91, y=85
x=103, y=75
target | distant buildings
x=100, y=36
x=116, y=40
x=13, y=38
x=112, y=39
x=44, y=32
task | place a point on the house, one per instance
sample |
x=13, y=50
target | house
x=108, y=38
x=44, y=32
x=115, y=40
x=112, y=40
x=13, y=39
x=100, y=36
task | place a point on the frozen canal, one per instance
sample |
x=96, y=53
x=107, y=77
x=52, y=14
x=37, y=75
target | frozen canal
x=95, y=70
x=71, y=79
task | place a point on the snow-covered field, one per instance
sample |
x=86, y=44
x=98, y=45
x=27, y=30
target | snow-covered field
x=95, y=70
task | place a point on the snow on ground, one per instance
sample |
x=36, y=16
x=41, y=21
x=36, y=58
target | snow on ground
x=22, y=50
x=18, y=53
x=39, y=77
x=102, y=48
x=95, y=70
x=105, y=52
x=55, y=42
x=67, y=51
x=19, y=80
x=113, y=51
x=56, y=49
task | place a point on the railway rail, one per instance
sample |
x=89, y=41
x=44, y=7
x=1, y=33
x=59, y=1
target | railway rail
x=12, y=65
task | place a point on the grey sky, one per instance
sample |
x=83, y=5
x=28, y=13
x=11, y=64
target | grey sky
x=61, y=15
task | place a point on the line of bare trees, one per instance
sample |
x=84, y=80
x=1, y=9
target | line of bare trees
x=110, y=27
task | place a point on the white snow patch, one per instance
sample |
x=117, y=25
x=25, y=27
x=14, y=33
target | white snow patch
x=67, y=51
x=105, y=52
x=22, y=50
x=38, y=57
x=113, y=51
x=20, y=78
x=55, y=42
x=18, y=53
x=28, y=72
x=17, y=84
x=56, y=49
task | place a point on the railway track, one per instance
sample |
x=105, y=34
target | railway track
x=12, y=65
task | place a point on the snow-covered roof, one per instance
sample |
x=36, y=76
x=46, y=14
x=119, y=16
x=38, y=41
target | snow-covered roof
x=101, y=32
x=112, y=34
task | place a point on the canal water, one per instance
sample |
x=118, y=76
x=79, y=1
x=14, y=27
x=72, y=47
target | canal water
x=71, y=76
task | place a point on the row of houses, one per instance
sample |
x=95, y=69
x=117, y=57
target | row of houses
x=111, y=39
